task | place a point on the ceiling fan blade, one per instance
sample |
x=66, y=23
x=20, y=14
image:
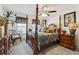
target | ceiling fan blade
x=44, y=14
x=51, y=11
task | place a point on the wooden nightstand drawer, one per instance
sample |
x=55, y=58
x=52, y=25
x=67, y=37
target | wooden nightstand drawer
x=67, y=41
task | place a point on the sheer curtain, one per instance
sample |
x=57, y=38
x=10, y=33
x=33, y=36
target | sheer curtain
x=21, y=28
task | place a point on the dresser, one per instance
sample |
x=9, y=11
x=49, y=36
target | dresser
x=67, y=41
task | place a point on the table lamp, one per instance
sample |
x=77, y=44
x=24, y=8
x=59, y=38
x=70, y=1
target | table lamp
x=2, y=22
x=72, y=28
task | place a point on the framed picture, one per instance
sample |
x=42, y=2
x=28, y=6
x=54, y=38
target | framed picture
x=20, y=20
x=69, y=17
x=43, y=23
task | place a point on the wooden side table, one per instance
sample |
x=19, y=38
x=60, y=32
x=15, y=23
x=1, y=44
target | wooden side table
x=67, y=41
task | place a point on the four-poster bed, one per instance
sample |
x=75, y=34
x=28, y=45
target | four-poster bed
x=40, y=40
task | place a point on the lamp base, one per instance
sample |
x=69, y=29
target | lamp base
x=72, y=31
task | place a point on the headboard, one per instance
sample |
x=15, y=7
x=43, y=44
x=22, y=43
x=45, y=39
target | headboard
x=52, y=27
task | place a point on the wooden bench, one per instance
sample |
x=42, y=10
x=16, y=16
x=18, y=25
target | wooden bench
x=15, y=37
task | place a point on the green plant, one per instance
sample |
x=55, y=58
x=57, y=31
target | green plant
x=8, y=13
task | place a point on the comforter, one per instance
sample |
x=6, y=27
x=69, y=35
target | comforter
x=45, y=38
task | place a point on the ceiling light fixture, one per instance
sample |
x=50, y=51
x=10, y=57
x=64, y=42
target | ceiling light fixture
x=44, y=14
x=44, y=11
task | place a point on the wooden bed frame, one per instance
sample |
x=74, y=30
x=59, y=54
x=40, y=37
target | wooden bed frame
x=34, y=40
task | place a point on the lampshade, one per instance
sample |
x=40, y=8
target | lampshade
x=73, y=25
x=2, y=22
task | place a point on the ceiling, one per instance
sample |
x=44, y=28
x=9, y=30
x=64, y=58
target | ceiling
x=24, y=9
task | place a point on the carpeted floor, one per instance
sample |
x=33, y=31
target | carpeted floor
x=22, y=48
x=59, y=50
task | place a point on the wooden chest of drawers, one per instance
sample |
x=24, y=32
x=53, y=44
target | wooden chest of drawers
x=67, y=41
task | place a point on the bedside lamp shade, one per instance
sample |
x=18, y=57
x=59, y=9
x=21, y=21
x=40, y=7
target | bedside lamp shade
x=2, y=22
x=72, y=27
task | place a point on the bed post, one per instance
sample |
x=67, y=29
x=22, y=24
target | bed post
x=36, y=22
x=59, y=26
x=60, y=22
x=26, y=28
x=36, y=49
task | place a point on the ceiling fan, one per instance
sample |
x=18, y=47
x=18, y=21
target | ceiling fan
x=45, y=11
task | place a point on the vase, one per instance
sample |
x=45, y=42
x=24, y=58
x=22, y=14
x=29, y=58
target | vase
x=72, y=31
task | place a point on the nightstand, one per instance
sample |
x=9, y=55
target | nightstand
x=67, y=41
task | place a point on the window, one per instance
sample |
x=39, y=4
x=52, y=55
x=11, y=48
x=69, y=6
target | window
x=21, y=28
